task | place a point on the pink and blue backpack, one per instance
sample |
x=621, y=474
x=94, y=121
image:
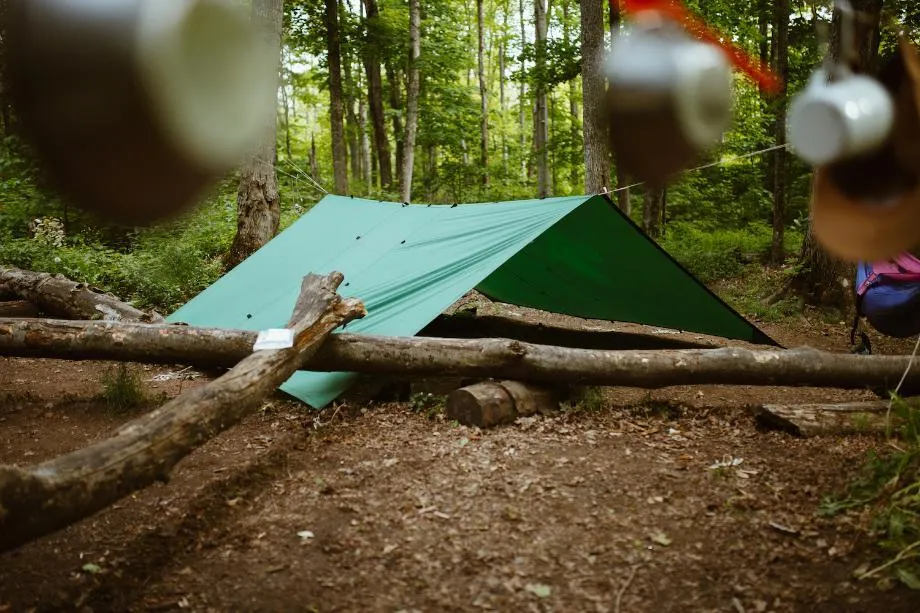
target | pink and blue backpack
x=888, y=296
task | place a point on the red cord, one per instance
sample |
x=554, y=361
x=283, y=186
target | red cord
x=674, y=9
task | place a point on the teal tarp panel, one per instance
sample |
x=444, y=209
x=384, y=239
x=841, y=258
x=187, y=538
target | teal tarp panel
x=408, y=263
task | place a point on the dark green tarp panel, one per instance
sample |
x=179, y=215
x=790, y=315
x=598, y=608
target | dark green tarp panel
x=577, y=256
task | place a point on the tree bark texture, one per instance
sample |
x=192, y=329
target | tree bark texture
x=541, y=109
x=483, y=95
x=18, y=308
x=624, y=201
x=653, y=211
x=375, y=95
x=412, y=95
x=871, y=417
x=258, y=202
x=781, y=14
x=61, y=297
x=336, y=98
x=597, y=154
x=493, y=403
x=480, y=358
x=38, y=500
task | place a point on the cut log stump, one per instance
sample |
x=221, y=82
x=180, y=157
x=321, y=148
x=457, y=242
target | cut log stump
x=491, y=403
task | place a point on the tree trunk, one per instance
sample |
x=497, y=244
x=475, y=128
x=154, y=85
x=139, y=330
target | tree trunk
x=623, y=197
x=541, y=112
x=653, y=211
x=481, y=358
x=258, y=202
x=781, y=14
x=285, y=100
x=375, y=96
x=597, y=154
x=522, y=98
x=366, y=164
x=396, y=105
x=490, y=404
x=336, y=98
x=483, y=96
x=314, y=163
x=50, y=496
x=412, y=94
x=822, y=279
x=352, y=129
x=61, y=297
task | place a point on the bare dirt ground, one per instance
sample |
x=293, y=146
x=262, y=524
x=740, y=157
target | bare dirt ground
x=379, y=508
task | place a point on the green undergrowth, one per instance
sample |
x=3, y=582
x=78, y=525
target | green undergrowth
x=123, y=389
x=886, y=497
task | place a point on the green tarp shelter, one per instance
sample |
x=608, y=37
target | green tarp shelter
x=578, y=256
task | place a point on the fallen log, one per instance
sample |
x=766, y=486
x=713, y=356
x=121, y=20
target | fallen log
x=18, y=308
x=480, y=359
x=493, y=326
x=493, y=403
x=61, y=297
x=872, y=417
x=41, y=499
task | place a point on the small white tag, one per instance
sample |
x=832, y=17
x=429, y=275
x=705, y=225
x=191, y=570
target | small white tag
x=274, y=338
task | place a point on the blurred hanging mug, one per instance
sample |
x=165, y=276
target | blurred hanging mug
x=834, y=121
x=135, y=107
x=669, y=100
x=866, y=203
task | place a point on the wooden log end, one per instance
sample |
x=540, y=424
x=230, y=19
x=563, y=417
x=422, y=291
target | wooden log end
x=490, y=404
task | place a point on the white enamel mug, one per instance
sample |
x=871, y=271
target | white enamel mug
x=832, y=122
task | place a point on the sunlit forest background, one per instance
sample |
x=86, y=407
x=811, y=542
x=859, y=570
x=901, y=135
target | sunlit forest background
x=496, y=99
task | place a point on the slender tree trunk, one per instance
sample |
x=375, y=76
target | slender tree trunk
x=501, y=88
x=781, y=14
x=396, y=105
x=258, y=203
x=336, y=98
x=623, y=197
x=285, y=100
x=375, y=96
x=522, y=118
x=314, y=163
x=653, y=211
x=352, y=131
x=597, y=154
x=483, y=97
x=541, y=114
x=366, y=163
x=411, y=102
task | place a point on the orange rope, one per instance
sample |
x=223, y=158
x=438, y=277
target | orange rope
x=674, y=9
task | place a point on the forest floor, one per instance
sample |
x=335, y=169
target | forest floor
x=383, y=508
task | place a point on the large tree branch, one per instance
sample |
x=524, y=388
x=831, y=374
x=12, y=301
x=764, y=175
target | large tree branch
x=484, y=358
x=41, y=499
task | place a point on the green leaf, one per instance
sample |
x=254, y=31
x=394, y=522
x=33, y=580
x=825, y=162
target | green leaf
x=908, y=578
x=91, y=569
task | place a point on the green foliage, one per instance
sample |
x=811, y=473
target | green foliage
x=427, y=404
x=888, y=489
x=713, y=254
x=122, y=388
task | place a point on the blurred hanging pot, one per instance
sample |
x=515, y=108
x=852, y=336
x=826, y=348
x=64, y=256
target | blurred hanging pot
x=866, y=202
x=135, y=107
x=669, y=100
